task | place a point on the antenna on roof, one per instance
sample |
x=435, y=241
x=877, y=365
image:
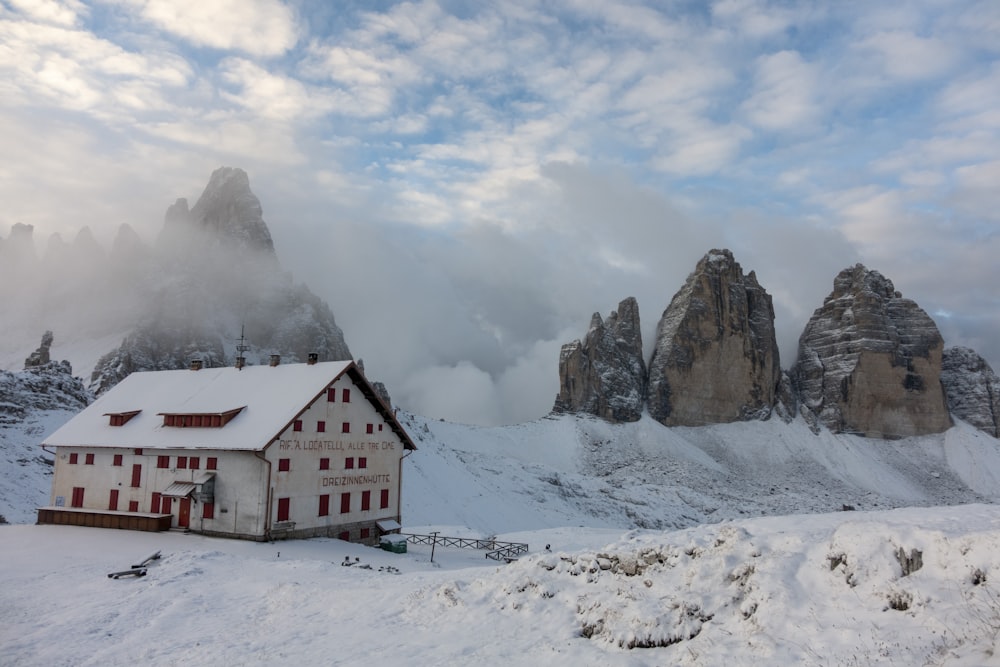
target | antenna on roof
x=241, y=347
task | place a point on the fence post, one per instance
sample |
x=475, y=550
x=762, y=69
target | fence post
x=434, y=536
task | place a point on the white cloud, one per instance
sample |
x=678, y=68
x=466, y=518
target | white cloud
x=785, y=93
x=903, y=55
x=260, y=27
x=65, y=13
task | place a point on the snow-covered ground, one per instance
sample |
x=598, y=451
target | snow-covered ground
x=705, y=546
x=799, y=590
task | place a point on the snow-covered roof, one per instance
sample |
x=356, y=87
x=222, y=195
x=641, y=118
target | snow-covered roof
x=268, y=399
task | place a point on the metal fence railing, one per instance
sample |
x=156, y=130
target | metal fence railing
x=495, y=549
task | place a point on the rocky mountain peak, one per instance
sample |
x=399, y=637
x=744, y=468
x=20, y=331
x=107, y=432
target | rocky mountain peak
x=869, y=361
x=228, y=213
x=604, y=374
x=716, y=357
x=972, y=389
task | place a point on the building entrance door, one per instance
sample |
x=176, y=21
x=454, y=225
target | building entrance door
x=184, y=513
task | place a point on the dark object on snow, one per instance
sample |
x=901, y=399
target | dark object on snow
x=146, y=561
x=847, y=508
x=134, y=572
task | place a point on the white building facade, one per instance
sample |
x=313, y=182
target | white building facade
x=294, y=450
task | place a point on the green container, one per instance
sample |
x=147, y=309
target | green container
x=396, y=545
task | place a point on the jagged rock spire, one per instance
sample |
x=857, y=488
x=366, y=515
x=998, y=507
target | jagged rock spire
x=716, y=357
x=605, y=375
x=869, y=361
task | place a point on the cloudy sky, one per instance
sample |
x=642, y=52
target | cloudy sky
x=467, y=183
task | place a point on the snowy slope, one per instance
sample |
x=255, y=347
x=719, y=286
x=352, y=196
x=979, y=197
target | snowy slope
x=563, y=470
x=800, y=590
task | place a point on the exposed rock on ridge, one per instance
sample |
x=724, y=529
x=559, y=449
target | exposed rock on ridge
x=716, y=357
x=605, y=374
x=972, y=389
x=869, y=362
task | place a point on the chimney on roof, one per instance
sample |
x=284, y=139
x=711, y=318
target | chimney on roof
x=275, y=359
x=196, y=364
x=241, y=361
x=313, y=358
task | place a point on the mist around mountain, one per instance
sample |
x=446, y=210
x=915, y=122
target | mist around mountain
x=211, y=276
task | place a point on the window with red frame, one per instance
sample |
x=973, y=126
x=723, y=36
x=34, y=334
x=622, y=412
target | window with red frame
x=346, y=536
x=194, y=462
x=321, y=427
x=208, y=511
x=362, y=461
x=77, y=500
x=211, y=463
x=88, y=459
x=182, y=462
x=365, y=532
x=154, y=505
x=117, y=460
x=133, y=506
x=284, y=465
x=349, y=463
x=136, y=475
x=324, y=464
x=345, y=396
x=113, y=500
x=324, y=504
x=384, y=499
x=297, y=425
x=366, y=501
x=345, y=503
x=369, y=428
x=284, y=505
x=74, y=458
x=162, y=461
x=331, y=395
x=345, y=427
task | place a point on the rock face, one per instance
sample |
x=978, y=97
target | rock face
x=869, y=362
x=972, y=389
x=716, y=357
x=40, y=357
x=227, y=213
x=214, y=273
x=605, y=375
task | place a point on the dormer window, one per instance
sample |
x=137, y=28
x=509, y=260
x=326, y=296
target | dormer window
x=199, y=419
x=120, y=418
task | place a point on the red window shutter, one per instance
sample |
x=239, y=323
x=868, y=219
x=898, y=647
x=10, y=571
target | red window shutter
x=324, y=464
x=384, y=499
x=345, y=427
x=284, y=465
x=208, y=511
x=118, y=460
x=349, y=463
x=346, y=536
x=182, y=462
x=113, y=500
x=165, y=504
x=194, y=462
x=211, y=463
x=137, y=451
x=133, y=506
x=283, y=509
x=324, y=504
x=297, y=425
x=162, y=461
x=331, y=395
x=365, y=532
x=380, y=427
x=321, y=427
x=77, y=500
x=88, y=459
x=345, y=503
x=154, y=505
x=370, y=428
x=362, y=461
x=366, y=501
x=136, y=475
x=346, y=396
x=74, y=458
